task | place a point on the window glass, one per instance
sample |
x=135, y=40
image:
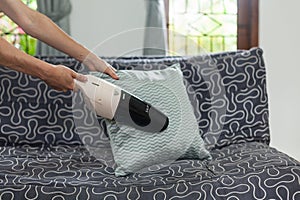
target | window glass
x=202, y=25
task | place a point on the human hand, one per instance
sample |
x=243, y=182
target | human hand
x=61, y=78
x=94, y=63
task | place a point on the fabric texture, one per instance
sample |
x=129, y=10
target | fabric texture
x=42, y=155
x=155, y=40
x=227, y=91
x=240, y=171
x=136, y=150
x=237, y=107
x=58, y=12
x=241, y=74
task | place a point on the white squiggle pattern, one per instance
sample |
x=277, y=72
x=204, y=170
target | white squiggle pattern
x=42, y=137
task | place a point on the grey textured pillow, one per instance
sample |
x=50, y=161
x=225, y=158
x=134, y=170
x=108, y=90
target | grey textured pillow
x=135, y=150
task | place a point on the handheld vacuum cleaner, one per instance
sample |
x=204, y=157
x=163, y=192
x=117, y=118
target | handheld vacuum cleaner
x=114, y=103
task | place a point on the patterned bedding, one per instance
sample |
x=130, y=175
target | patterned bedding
x=241, y=171
x=46, y=155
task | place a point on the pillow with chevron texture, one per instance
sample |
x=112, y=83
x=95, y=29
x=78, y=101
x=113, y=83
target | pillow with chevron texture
x=138, y=151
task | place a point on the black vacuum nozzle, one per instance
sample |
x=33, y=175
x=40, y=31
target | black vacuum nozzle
x=134, y=112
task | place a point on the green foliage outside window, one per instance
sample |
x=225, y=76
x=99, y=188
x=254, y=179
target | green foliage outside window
x=15, y=35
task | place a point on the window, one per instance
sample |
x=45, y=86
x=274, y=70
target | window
x=211, y=25
x=15, y=35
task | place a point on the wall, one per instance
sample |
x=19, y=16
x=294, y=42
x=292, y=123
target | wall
x=112, y=24
x=109, y=27
x=279, y=37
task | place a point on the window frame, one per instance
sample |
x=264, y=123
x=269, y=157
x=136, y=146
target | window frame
x=247, y=23
x=248, y=13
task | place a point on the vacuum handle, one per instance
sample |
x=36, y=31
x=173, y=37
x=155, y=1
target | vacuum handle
x=100, y=95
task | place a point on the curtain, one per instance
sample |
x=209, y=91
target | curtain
x=58, y=11
x=155, y=39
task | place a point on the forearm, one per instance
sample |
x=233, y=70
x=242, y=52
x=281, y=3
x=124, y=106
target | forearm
x=45, y=30
x=15, y=59
x=58, y=39
x=42, y=28
x=58, y=77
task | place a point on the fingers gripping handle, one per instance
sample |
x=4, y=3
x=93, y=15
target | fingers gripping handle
x=100, y=95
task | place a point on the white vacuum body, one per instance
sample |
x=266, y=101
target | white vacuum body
x=111, y=102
